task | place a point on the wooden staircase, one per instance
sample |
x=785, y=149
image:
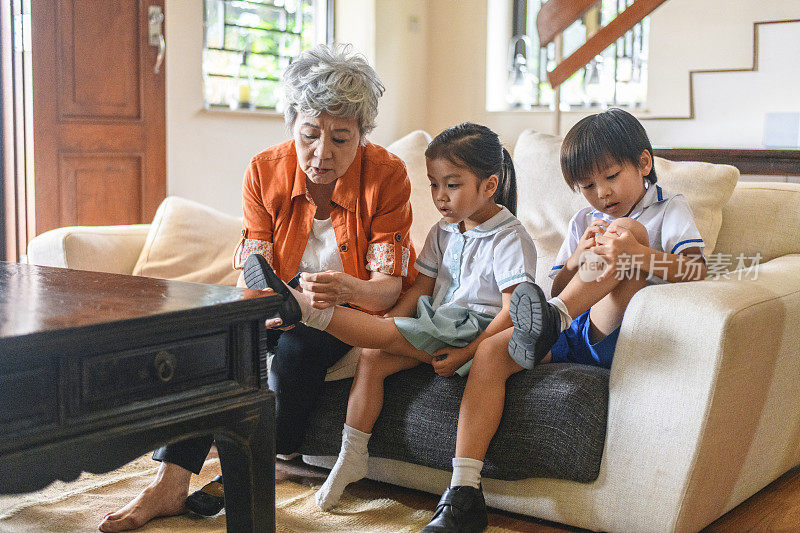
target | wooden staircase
x=555, y=16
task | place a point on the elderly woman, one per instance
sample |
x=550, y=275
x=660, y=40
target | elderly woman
x=330, y=212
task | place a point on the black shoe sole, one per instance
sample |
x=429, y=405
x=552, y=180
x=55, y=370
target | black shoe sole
x=527, y=309
x=260, y=276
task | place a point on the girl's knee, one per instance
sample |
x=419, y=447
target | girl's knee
x=372, y=361
x=491, y=360
x=635, y=228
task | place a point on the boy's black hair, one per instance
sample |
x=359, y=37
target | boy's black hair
x=479, y=149
x=598, y=140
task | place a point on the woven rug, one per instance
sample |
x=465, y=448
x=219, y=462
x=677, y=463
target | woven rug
x=79, y=506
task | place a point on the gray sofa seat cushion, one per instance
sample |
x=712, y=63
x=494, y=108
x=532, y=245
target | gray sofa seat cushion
x=553, y=424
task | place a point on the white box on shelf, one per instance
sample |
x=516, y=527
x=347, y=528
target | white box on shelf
x=782, y=130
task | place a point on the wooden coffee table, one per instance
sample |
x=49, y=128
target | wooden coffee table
x=97, y=369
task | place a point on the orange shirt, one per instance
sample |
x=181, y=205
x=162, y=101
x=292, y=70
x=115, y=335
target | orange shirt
x=370, y=215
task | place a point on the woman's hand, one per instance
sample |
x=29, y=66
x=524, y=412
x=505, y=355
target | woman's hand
x=270, y=323
x=586, y=242
x=327, y=288
x=447, y=360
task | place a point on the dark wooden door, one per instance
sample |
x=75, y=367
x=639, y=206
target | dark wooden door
x=98, y=113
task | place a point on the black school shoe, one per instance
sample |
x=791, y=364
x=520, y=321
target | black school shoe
x=209, y=500
x=537, y=325
x=461, y=510
x=259, y=275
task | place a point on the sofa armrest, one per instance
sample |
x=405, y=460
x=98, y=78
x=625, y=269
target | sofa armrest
x=100, y=248
x=703, y=389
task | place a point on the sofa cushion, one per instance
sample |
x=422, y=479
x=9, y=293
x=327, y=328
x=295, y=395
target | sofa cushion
x=188, y=241
x=554, y=425
x=546, y=204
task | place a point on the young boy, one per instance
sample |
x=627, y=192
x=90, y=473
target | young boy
x=637, y=234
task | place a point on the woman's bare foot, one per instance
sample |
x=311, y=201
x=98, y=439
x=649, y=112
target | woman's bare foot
x=165, y=496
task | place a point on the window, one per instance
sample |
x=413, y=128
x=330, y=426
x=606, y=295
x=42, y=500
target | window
x=617, y=76
x=249, y=43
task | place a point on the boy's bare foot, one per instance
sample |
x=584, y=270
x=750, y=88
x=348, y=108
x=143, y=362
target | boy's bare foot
x=165, y=496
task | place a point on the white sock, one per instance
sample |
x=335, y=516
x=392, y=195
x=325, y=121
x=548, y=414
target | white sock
x=466, y=472
x=350, y=467
x=310, y=315
x=566, y=320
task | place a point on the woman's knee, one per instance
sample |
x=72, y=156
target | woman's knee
x=634, y=227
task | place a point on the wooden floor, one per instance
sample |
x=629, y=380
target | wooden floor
x=776, y=508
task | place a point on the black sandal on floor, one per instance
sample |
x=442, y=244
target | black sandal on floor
x=209, y=500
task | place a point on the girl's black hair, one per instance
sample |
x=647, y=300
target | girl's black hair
x=479, y=149
x=614, y=136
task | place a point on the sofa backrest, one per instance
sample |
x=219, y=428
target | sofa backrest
x=761, y=218
x=411, y=149
x=545, y=203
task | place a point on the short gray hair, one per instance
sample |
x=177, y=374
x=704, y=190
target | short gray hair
x=334, y=80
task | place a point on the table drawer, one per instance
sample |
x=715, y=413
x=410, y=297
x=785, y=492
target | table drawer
x=30, y=397
x=112, y=379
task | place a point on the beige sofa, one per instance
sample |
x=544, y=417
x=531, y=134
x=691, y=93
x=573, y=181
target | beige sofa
x=703, y=389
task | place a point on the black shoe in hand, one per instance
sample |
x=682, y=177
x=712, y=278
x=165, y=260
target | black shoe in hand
x=259, y=275
x=461, y=510
x=209, y=500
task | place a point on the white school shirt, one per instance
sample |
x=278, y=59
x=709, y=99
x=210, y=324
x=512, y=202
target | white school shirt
x=322, y=250
x=667, y=218
x=472, y=268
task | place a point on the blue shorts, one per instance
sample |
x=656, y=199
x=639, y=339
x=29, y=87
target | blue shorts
x=574, y=346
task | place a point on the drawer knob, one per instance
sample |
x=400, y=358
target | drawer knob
x=165, y=364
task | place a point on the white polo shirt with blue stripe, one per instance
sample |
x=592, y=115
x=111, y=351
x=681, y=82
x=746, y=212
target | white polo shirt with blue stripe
x=667, y=217
x=472, y=268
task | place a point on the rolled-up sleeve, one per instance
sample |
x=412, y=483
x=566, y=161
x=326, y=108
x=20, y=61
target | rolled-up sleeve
x=678, y=230
x=389, y=250
x=257, y=221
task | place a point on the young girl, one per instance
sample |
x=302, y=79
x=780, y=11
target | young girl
x=638, y=232
x=471, y=262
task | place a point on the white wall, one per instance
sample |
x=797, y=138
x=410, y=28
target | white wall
x=401, y=60
x=207, y=152
x=730, y=106
x=712, y=34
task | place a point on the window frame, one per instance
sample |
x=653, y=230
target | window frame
x=520, y=22
x=327, y=19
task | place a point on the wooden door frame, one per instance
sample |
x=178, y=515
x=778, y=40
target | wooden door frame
x=15, y=229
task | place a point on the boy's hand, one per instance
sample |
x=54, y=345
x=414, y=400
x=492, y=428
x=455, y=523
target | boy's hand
x=586, y=242
x=447, y=360
x=615, y=244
